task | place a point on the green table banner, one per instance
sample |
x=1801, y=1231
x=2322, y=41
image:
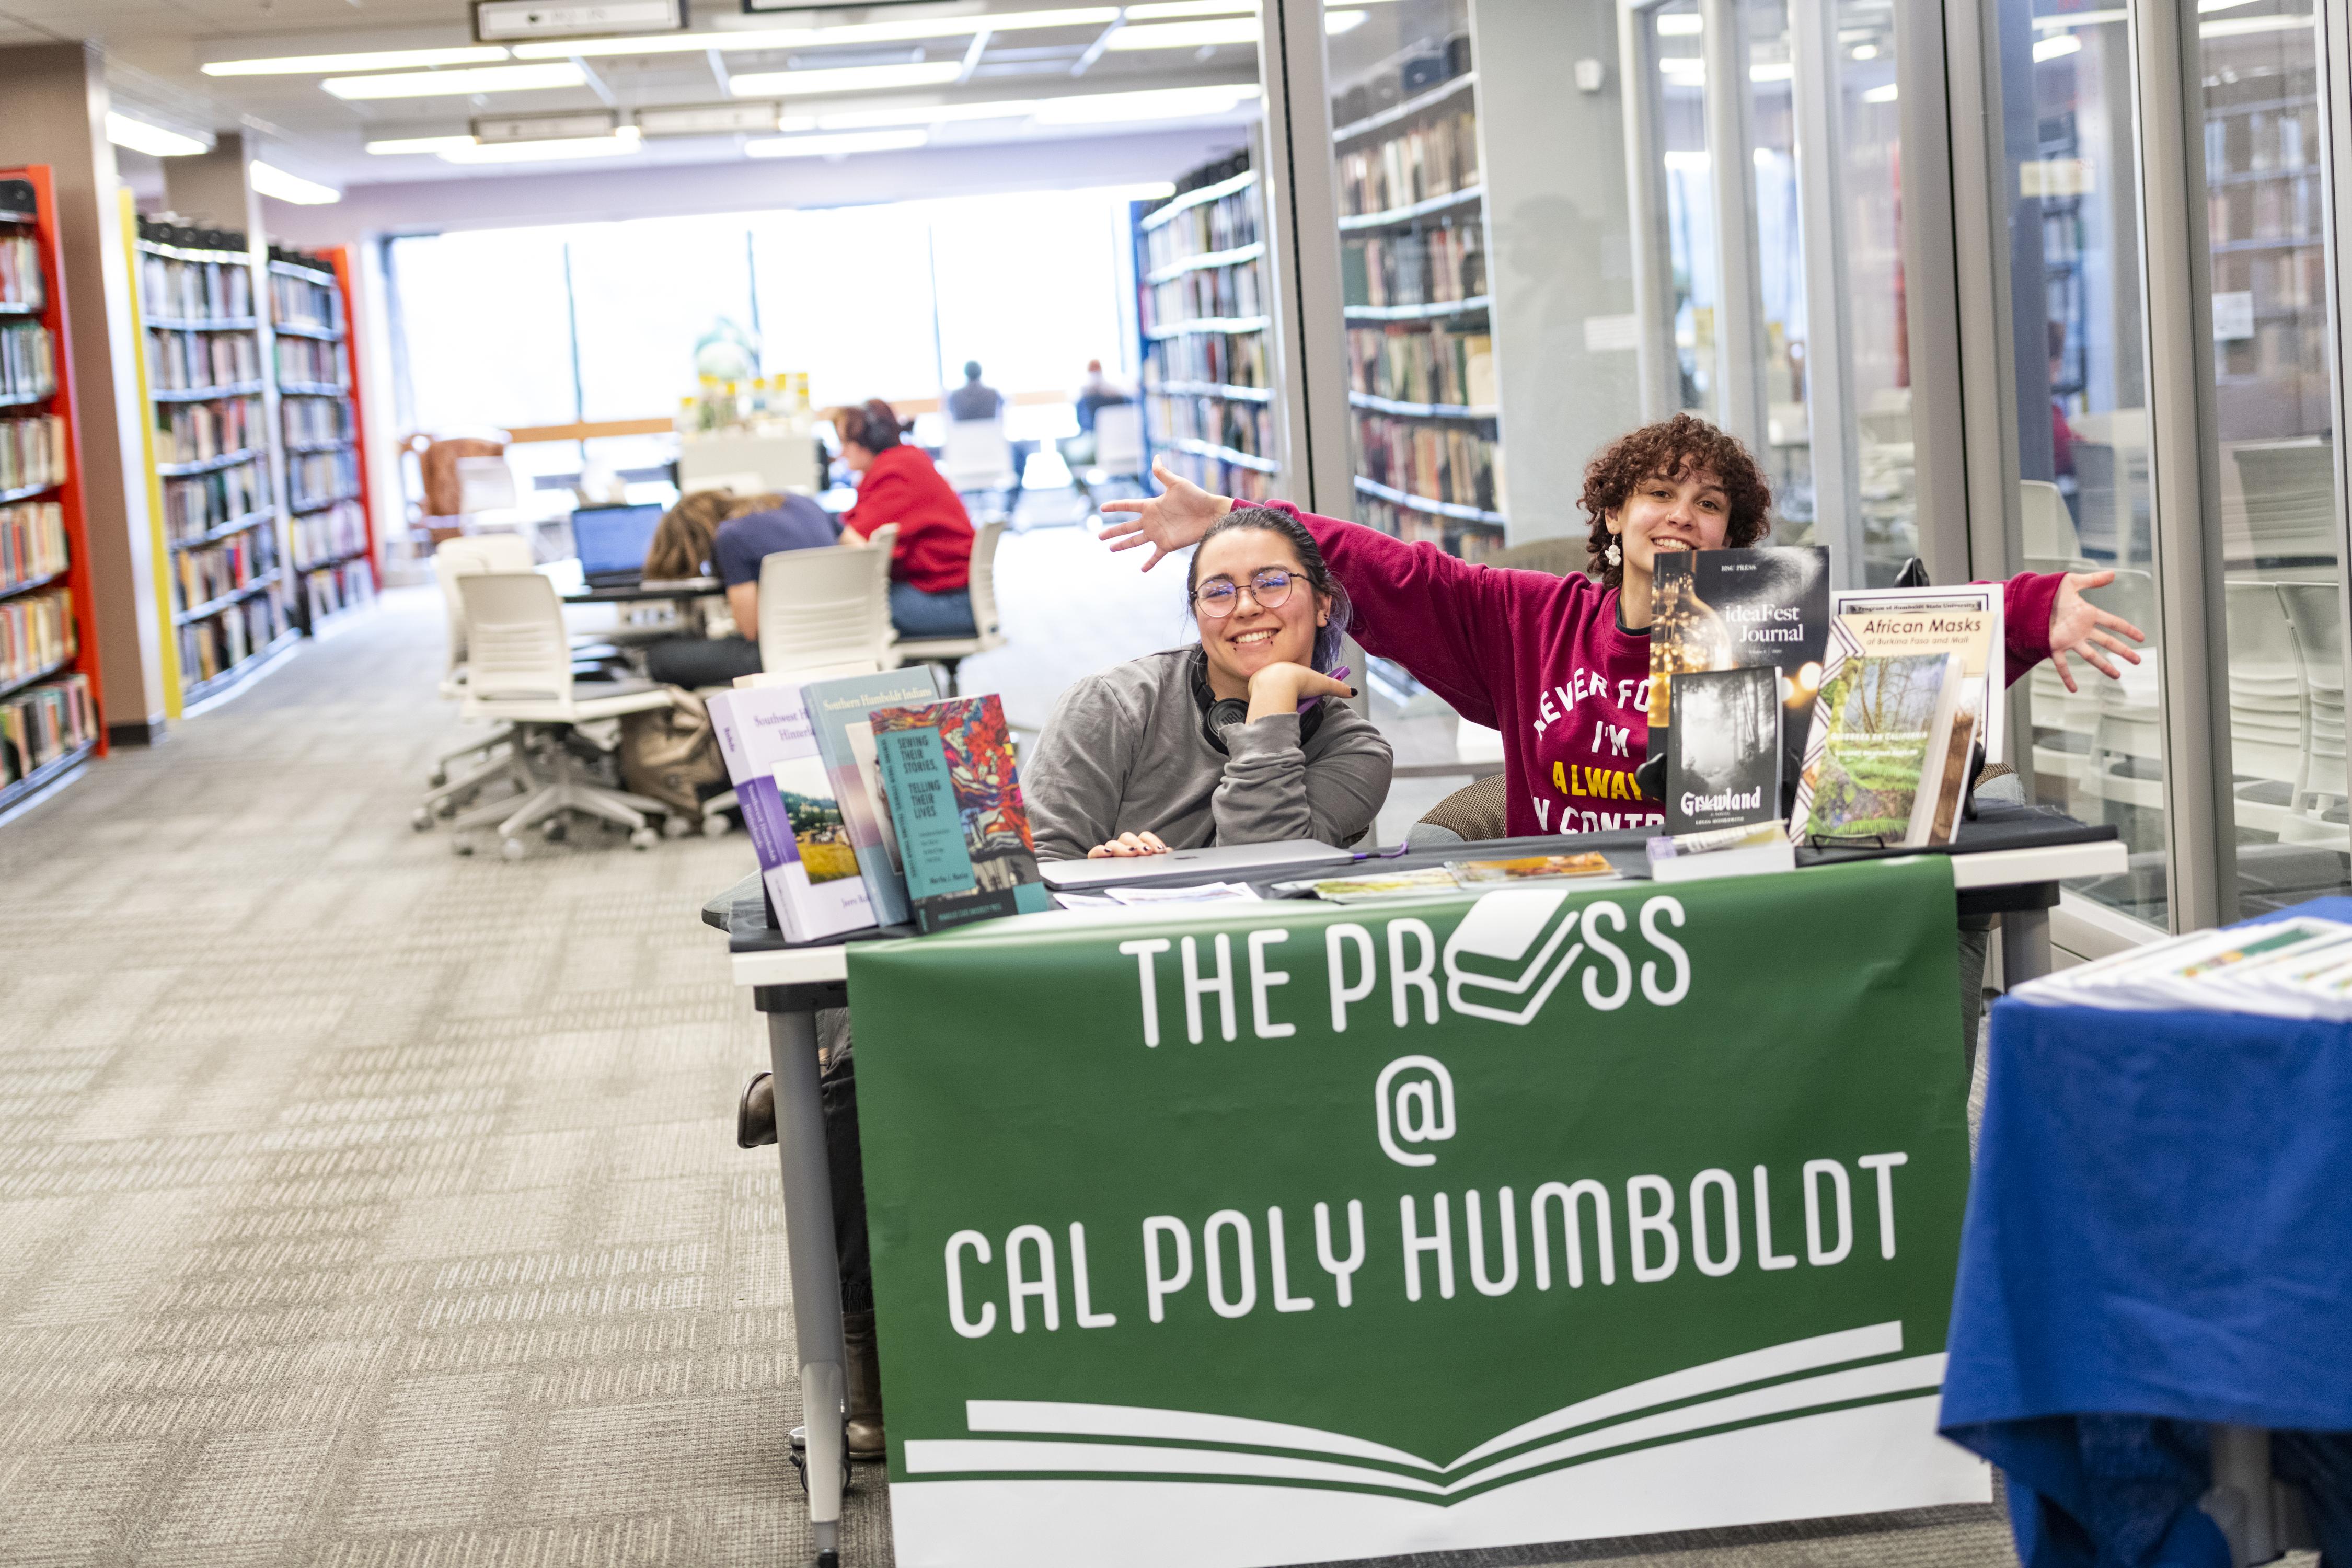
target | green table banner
x=1290, y=1232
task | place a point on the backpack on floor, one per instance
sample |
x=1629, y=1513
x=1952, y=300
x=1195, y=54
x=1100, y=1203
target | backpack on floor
x=671, y=755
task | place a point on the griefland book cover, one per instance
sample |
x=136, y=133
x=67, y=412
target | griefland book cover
x=1723, y=756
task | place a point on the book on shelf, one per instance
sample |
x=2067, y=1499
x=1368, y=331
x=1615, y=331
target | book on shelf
x=28, y=366
x=1885, y=762
x=955, y=804
x=32, y=542
x=1730, y=609
x=841, y=710
x=36, y=632
x=806, y=861
x=1723, y=755
x=44, y=722
x=1429, y=157
x=32, y=451
x=1407, y=363
x=1438, y=265
x=1965, y=620
x=21, y=280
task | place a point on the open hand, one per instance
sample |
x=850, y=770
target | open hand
x=2079, y=627
x=1166, y=523
x=1125, y=845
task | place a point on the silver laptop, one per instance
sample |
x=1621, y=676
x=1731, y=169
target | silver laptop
x=1245, y=860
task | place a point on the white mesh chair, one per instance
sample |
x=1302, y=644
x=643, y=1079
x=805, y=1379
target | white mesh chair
x=1118, y=445
x=2311, y=613
x=457, y=558
x=950, y=653
x=827, y=606
x=519, y=672
x=975, y=456
x=2270, y=743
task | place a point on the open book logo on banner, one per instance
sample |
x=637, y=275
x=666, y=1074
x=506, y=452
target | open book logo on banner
x=1513, y=949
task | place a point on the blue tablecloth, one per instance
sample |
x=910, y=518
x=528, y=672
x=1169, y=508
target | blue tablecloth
x=2159, y=1236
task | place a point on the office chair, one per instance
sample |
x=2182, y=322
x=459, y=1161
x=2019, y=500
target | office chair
x=519, y=672
x=950, y=653
x=977, y=457
x=455, y=559
x=1119, y=448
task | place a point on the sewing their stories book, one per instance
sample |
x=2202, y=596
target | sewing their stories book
x=841, y=710
x=955, y=801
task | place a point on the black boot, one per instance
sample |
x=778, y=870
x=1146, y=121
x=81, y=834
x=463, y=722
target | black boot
x=863, y=1373
x=755, y=1117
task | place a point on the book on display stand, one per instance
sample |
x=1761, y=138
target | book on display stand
x=50, y=719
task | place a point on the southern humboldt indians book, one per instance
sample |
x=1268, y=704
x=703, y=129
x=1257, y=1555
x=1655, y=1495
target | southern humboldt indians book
x=1965, y=620
x=844, y=739
x=955, y=803
x=1723, y=755
x=1879, y=761
x=806, y=863
x=1733, y=609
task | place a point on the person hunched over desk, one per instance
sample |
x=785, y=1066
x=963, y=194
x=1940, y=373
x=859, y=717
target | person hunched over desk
x=731, y=535
x=930, y=569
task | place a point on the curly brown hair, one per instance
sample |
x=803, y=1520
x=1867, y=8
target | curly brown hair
x=1674, y=448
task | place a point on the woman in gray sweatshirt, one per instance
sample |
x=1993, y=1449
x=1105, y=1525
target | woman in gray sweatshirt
x=1237, y=739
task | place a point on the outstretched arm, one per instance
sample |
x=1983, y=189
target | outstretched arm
x=2048, y=617
x=1170, y=522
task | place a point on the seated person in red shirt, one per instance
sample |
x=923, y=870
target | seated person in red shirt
x=726, y=536
x=930, y=569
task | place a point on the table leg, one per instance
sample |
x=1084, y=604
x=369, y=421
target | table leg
x=815, y=1267
x=2024, y=946
x=2241, y=1501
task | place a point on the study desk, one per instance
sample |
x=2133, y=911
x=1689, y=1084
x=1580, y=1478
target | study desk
x=2010, y=862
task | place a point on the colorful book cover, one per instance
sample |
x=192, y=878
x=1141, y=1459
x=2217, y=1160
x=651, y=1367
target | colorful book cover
x=955, y=801
x=806, y=861
x=1530, y=869
x=1733, y=609
x=1723, y=757
x=844, y=739
x=1880, y=749
x=1965, y=620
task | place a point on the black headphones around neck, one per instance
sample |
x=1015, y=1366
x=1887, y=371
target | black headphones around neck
x=1219, y=714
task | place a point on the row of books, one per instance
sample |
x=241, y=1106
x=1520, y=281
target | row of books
x=44, y=722
x=213, y=570
x=1434, y=157
x=32, y=542
x=220, y=643
x=311, y=361
x=315, y=477
x=1246, y=428
x=36, y=632
x=1212, y=291
x=1439, y=463
x=32, y=451
x=1219, y=477
x=20, y=272
x=2272, y=209
x=199, y=432
x=330, y=589
x=1470, y=541
x=1437, y=264
x=314, y=421
x=204, y=502
x=2261, y=141
x=190, y=362
x=1228, y=223
x=1225, y=359
x=299, y=302
x=2296, y=968
x=322, y=538
x=29, y=367
x=872, y=802
x=181, y=290
x=1411, y=363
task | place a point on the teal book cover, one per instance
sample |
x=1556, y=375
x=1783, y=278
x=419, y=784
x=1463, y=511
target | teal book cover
x=842, y=711
x=955, y=803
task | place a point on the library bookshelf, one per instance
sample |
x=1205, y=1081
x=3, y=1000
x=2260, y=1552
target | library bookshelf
x=1205, y=306
x=220, y=535
x=314, y=363
x=50, y=719
x=1413, y=249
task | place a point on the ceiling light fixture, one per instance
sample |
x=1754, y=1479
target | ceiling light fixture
x=375, y=60
x=151, y=140
x=937, y=114
x=2077, y=19
x=1681, y=25
x=1189, y=35
x=456, y=83
x=1773, y=70
x=1171, y=10
x=836, y=146
x=1166, y=103
x=272, y=181
x=619, y=143
x=396, y=146
x=2230, y=26
x=845, y=78
x=1886, y=94
x=737, y=39
x=2056, y=46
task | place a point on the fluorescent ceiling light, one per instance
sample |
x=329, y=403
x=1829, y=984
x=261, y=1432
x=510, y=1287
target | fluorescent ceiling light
x=2205, y=6
x=272, y=181
x=1866, y=51
x=377, y=60
x=563, y=150
x=1886, y=94
x=151, y=140
x=1168, y=103
x=1188, y=34
x=843, y=79
x=2057, y=46
x=2229, y=26
x=1169, y=10
x=1773, y=70
x=937, y=114
x=1685, y=162
x=456, y=83
x=708, y=120
x=1681, y=25
x=2078, y=19
x=396, y=145
x=1338, y=22
x=836, y=146
x=1683, y=64
x=735, y=40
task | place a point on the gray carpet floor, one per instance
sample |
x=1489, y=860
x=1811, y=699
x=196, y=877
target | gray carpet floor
x=364, y=1205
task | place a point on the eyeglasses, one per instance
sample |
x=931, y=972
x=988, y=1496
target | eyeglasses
x=1217, y=597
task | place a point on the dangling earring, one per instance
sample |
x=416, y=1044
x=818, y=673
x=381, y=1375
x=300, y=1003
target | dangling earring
x=1612, y=554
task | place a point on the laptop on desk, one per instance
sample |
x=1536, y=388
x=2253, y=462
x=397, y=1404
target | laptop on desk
x=1247, y=861
x=612, y=541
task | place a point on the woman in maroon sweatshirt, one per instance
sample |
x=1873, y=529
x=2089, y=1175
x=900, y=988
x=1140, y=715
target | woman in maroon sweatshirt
x=1561, y=665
